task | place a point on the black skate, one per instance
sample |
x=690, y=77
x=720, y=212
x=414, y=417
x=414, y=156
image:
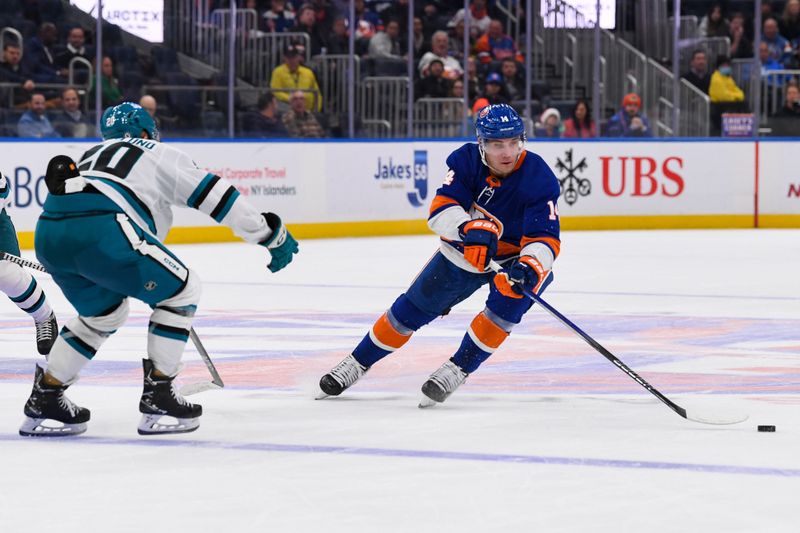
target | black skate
x=341, y=377
x=442, y=384
x=160, y=399
x=48, y=403
x=46, y=334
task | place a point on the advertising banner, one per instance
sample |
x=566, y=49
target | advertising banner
x=372, y=185
x=779, y=185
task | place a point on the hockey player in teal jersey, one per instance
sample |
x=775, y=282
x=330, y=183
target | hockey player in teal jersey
x=100, y=237
x=20, y=287
x=498, y=202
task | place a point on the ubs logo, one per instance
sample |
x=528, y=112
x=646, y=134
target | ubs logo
x=573, y=186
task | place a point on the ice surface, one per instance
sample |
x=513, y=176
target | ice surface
x=546, y=436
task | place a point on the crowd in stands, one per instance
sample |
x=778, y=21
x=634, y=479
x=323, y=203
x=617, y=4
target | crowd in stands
x=293, y=106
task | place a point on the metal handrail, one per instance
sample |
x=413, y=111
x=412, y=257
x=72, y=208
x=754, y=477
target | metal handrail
x=569, y=61
x=15, y=33
x=71, y=71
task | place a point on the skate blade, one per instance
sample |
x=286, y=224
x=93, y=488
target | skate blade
x=322, y=396
x=38, y=427
x=152, y=425
x=426, y=402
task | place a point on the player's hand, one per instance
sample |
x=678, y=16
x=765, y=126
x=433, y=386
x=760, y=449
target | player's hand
x=280, y=244
x=526, y=275
x=480, y=241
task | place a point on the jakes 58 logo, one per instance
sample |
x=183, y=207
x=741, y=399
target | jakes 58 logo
x=406, y=176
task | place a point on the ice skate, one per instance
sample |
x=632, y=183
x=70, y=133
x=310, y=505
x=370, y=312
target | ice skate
x=442, y=384
x=46, y=334
x=160, y=399
x=341, y=377
x=47, y=405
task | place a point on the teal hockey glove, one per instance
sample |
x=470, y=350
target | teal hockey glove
x=281, y=244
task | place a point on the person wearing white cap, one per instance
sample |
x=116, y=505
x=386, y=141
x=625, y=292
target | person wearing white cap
x=549, y=125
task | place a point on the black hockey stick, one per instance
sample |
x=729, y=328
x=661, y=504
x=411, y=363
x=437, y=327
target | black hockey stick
x=23, y=262
x=186, y=390
x=715, y=420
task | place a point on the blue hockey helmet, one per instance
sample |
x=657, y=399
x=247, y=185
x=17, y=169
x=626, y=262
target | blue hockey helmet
x=499, y=121
x=127, y=120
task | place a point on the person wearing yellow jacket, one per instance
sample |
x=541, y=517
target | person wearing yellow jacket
x=723, y=87
x=292, y=76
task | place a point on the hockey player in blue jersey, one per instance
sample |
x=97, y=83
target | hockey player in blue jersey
x=498, y=202
x=100, y=237
x=20, y=287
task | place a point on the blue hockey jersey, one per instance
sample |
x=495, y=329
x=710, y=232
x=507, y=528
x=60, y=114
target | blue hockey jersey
x=522, y=204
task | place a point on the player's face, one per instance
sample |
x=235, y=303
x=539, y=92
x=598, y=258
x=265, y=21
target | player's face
x=502, y=154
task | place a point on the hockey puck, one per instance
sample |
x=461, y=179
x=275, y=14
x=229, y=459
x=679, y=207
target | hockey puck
x=766, y=429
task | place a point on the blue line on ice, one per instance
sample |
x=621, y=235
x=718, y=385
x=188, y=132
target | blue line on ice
x=416, y=454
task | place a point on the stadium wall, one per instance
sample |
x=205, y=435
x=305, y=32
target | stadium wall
x=346, y=189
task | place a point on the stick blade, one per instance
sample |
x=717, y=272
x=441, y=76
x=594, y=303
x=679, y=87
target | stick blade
x=195, y=388
x=717, y=419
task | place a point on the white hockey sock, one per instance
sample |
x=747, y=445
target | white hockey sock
x=23, y=290
x=169, y=327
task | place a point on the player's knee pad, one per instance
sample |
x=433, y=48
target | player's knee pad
x=408, y=315
x=178, y=310
x=109, y=322
x=79, y=340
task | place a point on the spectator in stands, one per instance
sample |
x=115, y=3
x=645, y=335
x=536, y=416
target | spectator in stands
x=789, y=23
x=698, y=74
x=768, y=64
x=148, y=102
x=786, y=122
x=76, y=47
x=713, y=24
x=779, y=48
x=300, y=122
x=628, y=121
x=386, y=43
x=496, y=45
x=580, y=123
x=338, y=42
x=71, y=121
x=473, y=82
x=494, y=90
x=307, y=23
x=791, y=105
x=13, y=71
x=277, y=18
x=265, y=122
x=40, y=55
x=480, y=18
x=324, y=12
x=34, y=122
x=549, y=125
x=456, y=45
x=111, y=93
x=434, y=85
x=439, y=44
x=457, y=89
x=741, y=47
x=292, y=75
x=512, y=79
x=723, y=88
x=421, y=46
